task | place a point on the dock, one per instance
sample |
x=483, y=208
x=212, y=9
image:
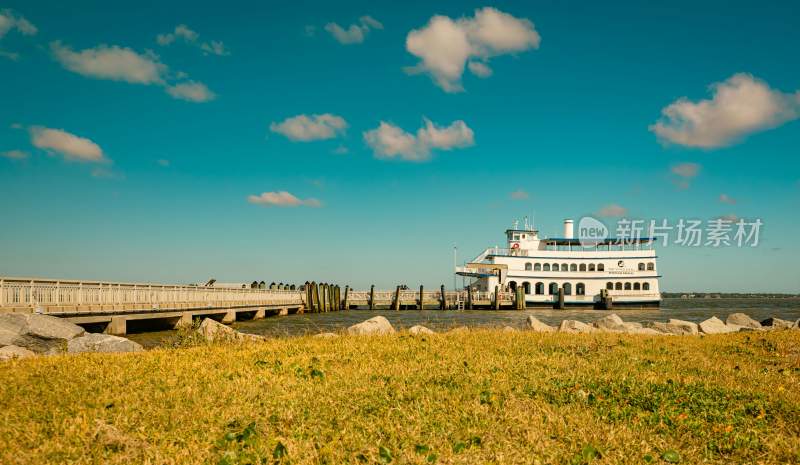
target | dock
x=117, y=308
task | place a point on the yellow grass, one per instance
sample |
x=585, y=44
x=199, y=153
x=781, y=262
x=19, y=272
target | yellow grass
x=477, y=397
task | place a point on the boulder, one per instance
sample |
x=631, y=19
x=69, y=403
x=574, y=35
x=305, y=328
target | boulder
x=673, y=326
x=574, y=326
x=375, y=325
x=647, y=332
x=102, y=343
x=214, y=331
x=11, y=352
x=326, y=335
x=39, y=333
x=610, y=323
x=714, y=325
x=776, y=323
x=419, y=329
x=509, y=329
x=740, y=319
x=535, y=325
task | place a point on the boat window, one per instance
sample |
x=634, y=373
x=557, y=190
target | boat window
x=512, y=285
x=567, y=289
x=516, y=237
x=651, y=266
x=591, y=266
x=553, y=289
x=528, y=267
x=537, y=267
x=583, y=267
x=637, y=287
x=539, y=288
x=555, y=266
x=627, y=286
x=641, y=266
x=546, y=267
x=527, y=286
x=609, y=285
x=573, y=267
x=618, y=286
x=564, y=267
x=646, y=286
x=580, y=289
x=601, y=267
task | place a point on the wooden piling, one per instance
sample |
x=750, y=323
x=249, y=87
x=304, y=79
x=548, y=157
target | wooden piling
x=338, y=299
x=421, y=298
x=496, y=300
x=396, y=303
x=521, y=299
x=443, y=300
x=469, y=297
x=345, y=305
x=309, y=297
x=372, y=297
x=560, y=303
x=317, y=300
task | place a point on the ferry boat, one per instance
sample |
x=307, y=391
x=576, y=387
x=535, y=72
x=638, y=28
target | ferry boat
x=568, y=272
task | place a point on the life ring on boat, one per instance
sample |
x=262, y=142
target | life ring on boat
x=515, y=246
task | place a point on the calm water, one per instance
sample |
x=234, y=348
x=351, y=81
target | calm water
x=685, y=309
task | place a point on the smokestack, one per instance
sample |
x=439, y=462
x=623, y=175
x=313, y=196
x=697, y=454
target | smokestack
x=568, y=229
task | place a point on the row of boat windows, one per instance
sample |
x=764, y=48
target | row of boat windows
x=628, y=286
x=580, y=288
x=582, y=267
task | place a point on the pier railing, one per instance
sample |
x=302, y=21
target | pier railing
x=43, y=295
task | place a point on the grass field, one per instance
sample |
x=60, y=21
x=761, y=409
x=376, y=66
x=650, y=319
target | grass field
x=477, y=397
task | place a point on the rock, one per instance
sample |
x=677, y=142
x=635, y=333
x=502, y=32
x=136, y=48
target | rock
x=714, y=325
x=777, y=323
x=419, y=329
x=632, y=325
x=11, y=352
x=647, y=332
x=673, y=326
x=535, y=325
x=326, y=335
x=509, y=329
x=574, y=326
x=610, y=323
x=40, y=333
x=740, y=319
x=102, y=343
x=375, y=325
x=215, y=331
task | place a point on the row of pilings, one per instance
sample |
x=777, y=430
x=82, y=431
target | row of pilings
x=324, y=297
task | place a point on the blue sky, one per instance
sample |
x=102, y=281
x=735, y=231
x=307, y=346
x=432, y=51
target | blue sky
x=129, y=157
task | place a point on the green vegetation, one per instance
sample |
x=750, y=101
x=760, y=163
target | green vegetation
x=476, y=397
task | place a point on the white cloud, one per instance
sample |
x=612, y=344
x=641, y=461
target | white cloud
x=304, y=128
x=686, y=170
x=519, y=194
x=70, y=146
x=10, y=20
x=612, y=210
x=15, y=154
x=445, y=45
x=190, y=37
x=479, y=69
x=390, y=141
x=282, y=199
x=740, y=106
x=725, y=198
x=355, y=33
x=124, y=64
x=114, y=63
x=191, y=91
x=684, y=173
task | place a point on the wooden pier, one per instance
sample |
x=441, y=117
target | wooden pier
x=117, y=308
